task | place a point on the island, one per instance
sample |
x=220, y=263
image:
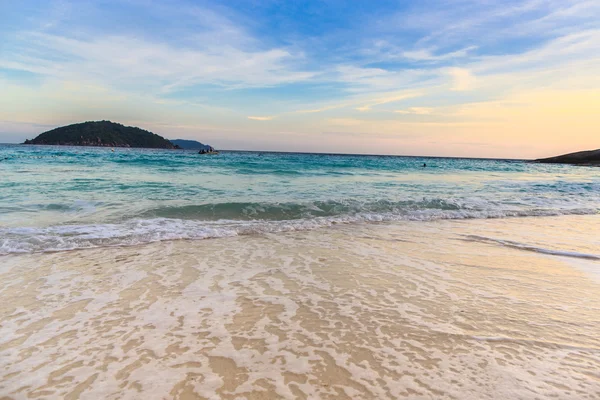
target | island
x=589, y=157
x=102, y=134
x=192, y=145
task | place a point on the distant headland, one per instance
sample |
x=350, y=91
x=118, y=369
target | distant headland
x=191, y=145
x=589, y=157
x=102, y=134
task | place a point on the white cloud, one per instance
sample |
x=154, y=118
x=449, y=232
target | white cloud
x=470, y=19
x=416, y=110
x=364, y=79
x=322, y=109
x=261, y=118
x=462, y=79
x=429, y=54
x=386, y=100
x=350, y=72
x=559, y=51
x=217, y=51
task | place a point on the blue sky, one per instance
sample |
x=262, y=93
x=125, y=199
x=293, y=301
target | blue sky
x=463, y=77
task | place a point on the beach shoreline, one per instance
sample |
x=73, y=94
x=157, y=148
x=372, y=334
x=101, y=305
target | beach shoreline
x=466, y=309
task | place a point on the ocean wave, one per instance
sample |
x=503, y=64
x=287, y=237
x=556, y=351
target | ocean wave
x=148, y=230
x=281, y=211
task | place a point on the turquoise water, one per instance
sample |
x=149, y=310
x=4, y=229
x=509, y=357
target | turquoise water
x=59, y=198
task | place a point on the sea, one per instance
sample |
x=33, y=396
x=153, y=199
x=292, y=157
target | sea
x=158, y=274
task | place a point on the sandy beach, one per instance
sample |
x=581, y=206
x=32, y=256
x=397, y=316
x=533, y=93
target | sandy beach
x=444, y=309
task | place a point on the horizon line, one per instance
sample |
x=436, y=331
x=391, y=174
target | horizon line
x=294, y=152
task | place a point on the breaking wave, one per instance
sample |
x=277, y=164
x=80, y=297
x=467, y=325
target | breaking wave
x=233, y=219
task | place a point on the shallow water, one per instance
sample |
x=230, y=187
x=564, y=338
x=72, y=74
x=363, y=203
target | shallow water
x=60, y=198
x=448, y=309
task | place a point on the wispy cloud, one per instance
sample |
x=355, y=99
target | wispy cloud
x=562, y=50
x=386, y=100
x=322, y=109
x=358, y=79
x=416, y=111
x=429, y=54
x=123, y=59
x=217, y=52
x=261, y=118
x=451, y=24
x=462, y=79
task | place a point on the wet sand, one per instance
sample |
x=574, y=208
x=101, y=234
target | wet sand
x=477, y=309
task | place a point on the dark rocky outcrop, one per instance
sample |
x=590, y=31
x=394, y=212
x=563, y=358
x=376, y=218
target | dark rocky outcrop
x=590, y=157
x=102, y=134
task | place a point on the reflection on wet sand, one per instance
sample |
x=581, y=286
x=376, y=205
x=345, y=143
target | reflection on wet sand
x=415, y=310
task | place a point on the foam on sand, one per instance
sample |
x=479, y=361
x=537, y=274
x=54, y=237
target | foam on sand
x=363, y=311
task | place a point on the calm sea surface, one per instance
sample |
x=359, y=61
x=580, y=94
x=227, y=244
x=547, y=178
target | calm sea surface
x=58, y=198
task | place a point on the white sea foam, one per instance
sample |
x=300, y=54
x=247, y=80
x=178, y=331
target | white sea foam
x=535, y=249
x=139, y=231
x=369, y=311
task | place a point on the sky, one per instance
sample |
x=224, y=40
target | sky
x=470, y=78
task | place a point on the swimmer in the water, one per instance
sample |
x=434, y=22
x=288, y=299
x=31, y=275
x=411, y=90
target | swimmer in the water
x=424, y=165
